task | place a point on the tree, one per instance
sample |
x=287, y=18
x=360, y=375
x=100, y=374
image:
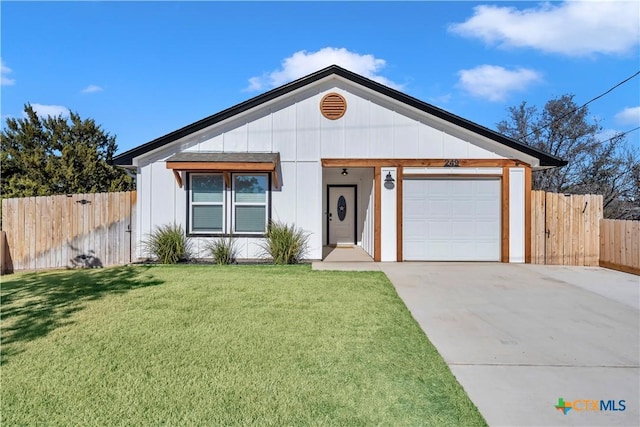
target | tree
x=55, y=155
x=597, y=165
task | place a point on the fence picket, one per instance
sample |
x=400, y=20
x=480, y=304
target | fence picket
x=565, y=230
x=61, y=231
x=621, y=241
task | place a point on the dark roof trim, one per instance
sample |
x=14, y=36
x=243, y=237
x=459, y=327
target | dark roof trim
x=127, y=157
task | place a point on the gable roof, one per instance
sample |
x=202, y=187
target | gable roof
x=126, y=158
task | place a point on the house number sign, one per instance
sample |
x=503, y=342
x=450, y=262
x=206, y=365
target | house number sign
x=342, y=208
x=451, y=163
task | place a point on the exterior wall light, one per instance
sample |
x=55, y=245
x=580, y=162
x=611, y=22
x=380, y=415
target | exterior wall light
x=389, y=182
x=344, y=172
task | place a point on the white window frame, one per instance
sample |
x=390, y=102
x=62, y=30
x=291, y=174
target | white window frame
x=191, y=204
x=266, y=202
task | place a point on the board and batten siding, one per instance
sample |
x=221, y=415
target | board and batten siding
x=294, y=127
x=298, y=131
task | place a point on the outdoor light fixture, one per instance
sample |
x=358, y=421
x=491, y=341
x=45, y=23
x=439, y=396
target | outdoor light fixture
x=344, y=172
x=389, y=181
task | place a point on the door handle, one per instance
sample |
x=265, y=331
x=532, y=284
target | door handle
x=330, y=216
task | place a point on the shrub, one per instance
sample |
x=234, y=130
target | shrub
x=168, y=244
x=285, y=244
x=223, y=250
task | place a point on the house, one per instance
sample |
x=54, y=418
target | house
x=350, y=161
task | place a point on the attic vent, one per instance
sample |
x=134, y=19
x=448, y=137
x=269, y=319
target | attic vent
x=333, y=106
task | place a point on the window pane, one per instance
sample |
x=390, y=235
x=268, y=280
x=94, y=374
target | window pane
x=206, y=188
x=207, y=218
x=250, y=219
x=250, y=188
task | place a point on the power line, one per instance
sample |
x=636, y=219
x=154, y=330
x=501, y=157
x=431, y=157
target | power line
x=618, y=135
x=583, y=105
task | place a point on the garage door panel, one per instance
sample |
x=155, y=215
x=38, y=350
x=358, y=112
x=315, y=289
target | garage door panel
x=451, y=219
x=414, y=213
x=485, y=208
x=460, y=208
x=486, y=232
x=439, y=188
x=438, y=230
x=438, y=248
x=463, y=249
x=463, y=230
x=420, y=232
x=438, y=208
x=488, y=248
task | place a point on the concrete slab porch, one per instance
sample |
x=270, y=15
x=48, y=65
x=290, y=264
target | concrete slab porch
x=345, y=258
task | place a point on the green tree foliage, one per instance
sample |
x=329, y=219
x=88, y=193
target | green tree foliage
x=597, y=164
x=56, y=155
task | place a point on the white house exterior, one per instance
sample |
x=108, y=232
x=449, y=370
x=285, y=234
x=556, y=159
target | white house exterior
x=350, y=161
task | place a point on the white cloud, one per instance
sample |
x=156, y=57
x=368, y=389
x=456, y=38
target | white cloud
x=4, y=79
x=573, y=28
x=92, y=89
x=629, y=116
x=495, y=83
x=303, y=63
x=50, y=110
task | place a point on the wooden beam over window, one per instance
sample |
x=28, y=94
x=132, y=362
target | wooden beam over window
x=225, y=163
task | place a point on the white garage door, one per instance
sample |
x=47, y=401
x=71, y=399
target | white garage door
x=451, y=219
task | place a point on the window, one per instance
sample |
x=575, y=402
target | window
x=250, y=203
x=207, y=203
x=215, y=208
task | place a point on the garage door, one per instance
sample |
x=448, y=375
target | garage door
x=451, y=219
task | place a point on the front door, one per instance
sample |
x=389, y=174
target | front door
x=341, y=213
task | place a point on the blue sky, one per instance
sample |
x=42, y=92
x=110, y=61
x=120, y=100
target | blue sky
x=144, y=69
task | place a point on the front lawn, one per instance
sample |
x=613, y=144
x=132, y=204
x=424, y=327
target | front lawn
x=204, y=345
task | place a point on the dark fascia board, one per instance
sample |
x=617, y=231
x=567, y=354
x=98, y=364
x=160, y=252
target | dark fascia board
x=126, y=158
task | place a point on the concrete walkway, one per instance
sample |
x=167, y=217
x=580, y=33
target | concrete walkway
x=519, y=337
x=345, y=258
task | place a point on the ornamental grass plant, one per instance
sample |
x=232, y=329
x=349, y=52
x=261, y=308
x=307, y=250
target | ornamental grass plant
x=168, y=244
x=285, y=244
x=223, y=250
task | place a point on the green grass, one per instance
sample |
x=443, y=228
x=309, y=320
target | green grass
x=205, y=345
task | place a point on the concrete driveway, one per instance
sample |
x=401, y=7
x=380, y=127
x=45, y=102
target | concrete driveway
x=519, y=337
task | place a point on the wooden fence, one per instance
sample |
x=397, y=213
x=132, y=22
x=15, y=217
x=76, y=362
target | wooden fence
x=79, y=230
x=620, y=245
x=4, y=253
x=565, y=229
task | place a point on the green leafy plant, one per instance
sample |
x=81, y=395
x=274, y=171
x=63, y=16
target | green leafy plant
x=168, y=244
x=223, y=250
x=285, y=244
